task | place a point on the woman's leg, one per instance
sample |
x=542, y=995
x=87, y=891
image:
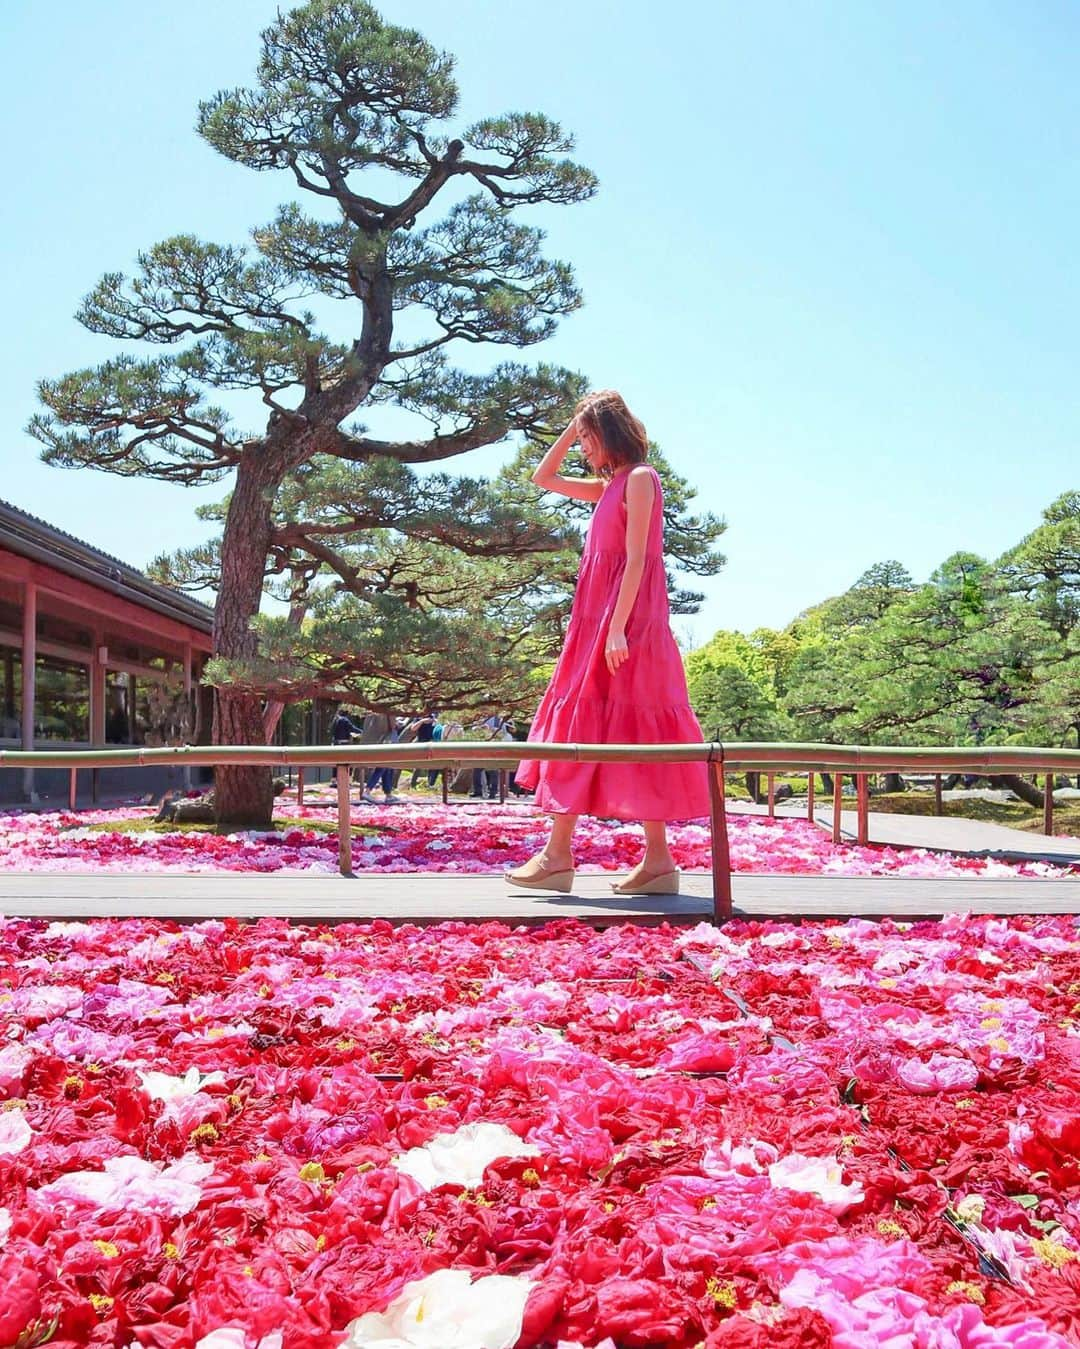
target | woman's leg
x=556, y=855
x=658, y=860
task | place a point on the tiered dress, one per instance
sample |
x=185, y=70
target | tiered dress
x=644, y=701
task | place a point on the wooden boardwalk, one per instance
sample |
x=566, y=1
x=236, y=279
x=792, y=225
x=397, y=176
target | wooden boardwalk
x=939, y=833
x=436, y=898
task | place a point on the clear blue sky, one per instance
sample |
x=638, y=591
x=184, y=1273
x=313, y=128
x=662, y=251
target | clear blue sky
x=833, y=263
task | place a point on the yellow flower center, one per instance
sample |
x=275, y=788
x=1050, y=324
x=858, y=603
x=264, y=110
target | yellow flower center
x=1052, y=1252
x=722, y=1293
x=971, y=1291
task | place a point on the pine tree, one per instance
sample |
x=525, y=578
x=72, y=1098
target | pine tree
x=340, y=97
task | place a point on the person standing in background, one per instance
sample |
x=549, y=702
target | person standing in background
x=379, y=729
x=424, y=735
x=485, y=781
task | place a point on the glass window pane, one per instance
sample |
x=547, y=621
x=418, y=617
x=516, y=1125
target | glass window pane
x=10, y=694
x=117, y=707
x=61, y=700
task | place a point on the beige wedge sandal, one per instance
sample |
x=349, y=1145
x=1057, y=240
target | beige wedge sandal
x=562, y=881
x=665, y=884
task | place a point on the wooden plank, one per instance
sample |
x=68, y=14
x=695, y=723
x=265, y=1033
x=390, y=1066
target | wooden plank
x=862, y=790
x=970, y=838
x=721, y=854
x=436, y=898
x=344, y=814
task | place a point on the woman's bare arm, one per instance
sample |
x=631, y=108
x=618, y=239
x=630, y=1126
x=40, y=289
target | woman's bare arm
x=547, y=476
x=640, y=491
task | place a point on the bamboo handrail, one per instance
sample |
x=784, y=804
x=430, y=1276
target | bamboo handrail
x=768, y=757
x=736, y=755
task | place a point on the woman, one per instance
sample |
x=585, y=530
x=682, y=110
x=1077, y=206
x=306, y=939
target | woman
x=620, y=678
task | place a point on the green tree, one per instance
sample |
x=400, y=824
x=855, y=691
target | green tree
x=340, y=97
x=1044, y=568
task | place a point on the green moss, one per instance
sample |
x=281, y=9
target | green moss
x=280, y=824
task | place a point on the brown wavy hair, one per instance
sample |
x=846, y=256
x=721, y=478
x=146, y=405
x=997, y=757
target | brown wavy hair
x=605, y=415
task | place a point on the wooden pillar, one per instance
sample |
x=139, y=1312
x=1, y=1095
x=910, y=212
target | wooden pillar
x=810, y=796
x=300, y=786
x=189, y=705
x=502, y=786
x=29, y=670
x=445, y=787
x=97, y=693
x=837, y=804
x=770, y=779
x=862, y=786
x=1048, y=805
x=344, y=812
x=939, y=801
x=721, y=853
x=73, y=789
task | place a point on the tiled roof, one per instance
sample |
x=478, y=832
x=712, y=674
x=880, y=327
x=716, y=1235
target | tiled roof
x=30, y=536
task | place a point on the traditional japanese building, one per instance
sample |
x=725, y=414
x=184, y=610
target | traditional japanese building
x=92, y=652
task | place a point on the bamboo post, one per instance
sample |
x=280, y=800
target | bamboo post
x=344, y=813
x=73, y=788
x=837, y=788
x=1048, y=805
x=300, y=787
x=810, y=795
x=939, y=801
x=862, y=785
x=770, y=778
x=721, y=853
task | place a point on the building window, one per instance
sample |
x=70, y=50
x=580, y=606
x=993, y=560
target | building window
x=117, y=707
x=61, y=700
x=10, y=694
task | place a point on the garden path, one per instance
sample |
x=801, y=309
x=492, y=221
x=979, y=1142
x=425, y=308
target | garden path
x=973, y=838
x=437, y=898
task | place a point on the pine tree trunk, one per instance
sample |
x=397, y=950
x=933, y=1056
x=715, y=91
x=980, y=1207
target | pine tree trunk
x=1023, y=789
x=242, y=795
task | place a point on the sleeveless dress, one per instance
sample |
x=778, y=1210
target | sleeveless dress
x=644, y=701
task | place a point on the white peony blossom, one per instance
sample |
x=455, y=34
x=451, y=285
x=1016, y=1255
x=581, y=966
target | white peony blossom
x=447, y=1310
x=822, y=1176
x=165, y=1087
x=232, y=1337
x=15, y=1133
x=461, y=1158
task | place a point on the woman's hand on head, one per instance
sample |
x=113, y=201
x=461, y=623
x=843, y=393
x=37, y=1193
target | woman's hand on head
x=616, y=650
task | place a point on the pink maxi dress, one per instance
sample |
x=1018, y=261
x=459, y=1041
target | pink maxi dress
x=644, y=701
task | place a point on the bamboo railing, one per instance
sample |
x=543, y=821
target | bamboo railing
x=769, y=758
